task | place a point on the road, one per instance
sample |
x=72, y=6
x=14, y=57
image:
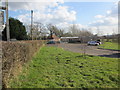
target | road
x=90, y=50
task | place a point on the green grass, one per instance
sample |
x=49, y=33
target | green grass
x=110, y=45
x=56, y=68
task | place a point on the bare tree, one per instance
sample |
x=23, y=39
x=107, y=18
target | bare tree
x=76, y=31
x=55, y=30
x=50, y=28
x=114, y=38
x=39, y=29
x=85, y=32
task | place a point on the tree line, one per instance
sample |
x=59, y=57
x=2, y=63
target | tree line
x=41, y=31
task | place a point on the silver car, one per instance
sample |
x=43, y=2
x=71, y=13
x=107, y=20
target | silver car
x=95, y=43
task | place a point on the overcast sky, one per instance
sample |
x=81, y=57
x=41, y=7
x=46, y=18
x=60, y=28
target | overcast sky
x=102, y=16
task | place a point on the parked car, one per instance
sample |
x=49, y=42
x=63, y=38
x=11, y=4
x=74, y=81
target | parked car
x=95, y=43
x=99, y=42
x=51, y=42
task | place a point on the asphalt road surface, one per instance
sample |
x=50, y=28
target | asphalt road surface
x=90, y=50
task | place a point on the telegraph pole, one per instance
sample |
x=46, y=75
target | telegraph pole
x=32, y=24
x=7, y=22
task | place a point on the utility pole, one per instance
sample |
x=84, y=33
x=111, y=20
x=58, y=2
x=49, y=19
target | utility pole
x=32, y=24
x=7, y=22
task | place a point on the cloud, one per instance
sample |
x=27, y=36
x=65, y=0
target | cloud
x=62, y=14
x=45, y=12
x=111, y=17
x=59, y=14
x=109, y=21
x=52, y=11
x=99, y=16
x=34, y=5
x=24, y=18
x=114, y=11
x=109, y=12
x=106, y=24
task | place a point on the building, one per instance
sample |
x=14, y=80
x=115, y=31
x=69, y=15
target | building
x=70, y=39
x=55, y=38
x=82, y=39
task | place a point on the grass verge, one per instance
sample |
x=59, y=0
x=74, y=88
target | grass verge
x=110, y=45
x=56, y=68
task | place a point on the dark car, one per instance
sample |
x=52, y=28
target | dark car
x=51, y=42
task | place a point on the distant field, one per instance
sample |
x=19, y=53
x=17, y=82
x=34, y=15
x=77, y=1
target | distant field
x=54, y=67
x=110, y=45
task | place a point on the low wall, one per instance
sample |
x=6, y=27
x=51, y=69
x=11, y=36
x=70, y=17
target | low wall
x=15, y=55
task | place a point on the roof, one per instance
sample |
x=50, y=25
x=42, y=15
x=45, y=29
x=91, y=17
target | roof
x=68, y=37
x=55, y=37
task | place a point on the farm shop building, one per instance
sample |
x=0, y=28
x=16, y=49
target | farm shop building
x=82, y=39
x=70, y=39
